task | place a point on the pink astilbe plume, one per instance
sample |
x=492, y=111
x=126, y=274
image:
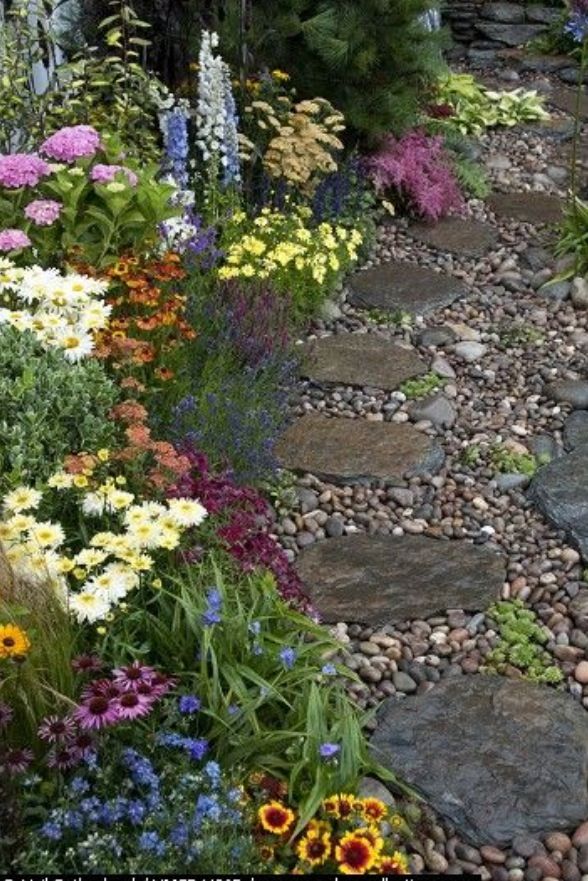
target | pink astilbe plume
x=417, y=167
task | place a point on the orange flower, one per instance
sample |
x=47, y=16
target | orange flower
x=164, y=373
x=275, y=817
x=372, y=834
x=396, y=864
x=372, y=809
x=341, y=806
x=314, y=848
x=355, y=854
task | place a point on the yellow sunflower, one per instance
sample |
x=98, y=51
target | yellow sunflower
x=14, y=642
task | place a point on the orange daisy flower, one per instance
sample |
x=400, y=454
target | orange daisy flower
x=395, y=864
x=275, y=817
x=355, y=854
x=372, y=809
x=314, y=848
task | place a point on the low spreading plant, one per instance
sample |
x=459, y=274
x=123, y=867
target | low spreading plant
x=416, y=169
x=521, y=643
x=421, y=386
x=509, y=462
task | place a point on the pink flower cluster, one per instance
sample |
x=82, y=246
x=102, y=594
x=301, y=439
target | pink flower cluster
x=71, y=143
x=22, y=170
x=417, y=167
x=13, y=240
x=105, y=174
x=43, y=212
x=130, y=694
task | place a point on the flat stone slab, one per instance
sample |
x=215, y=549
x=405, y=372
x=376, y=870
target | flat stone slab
x=356, y=450
x=379, y=580
x=509, y=34
x=402, y=287
x=497, y=757
x=360, y=359
x=560, y=491
x=565, y=99
x=468, y=237
x=532, y=207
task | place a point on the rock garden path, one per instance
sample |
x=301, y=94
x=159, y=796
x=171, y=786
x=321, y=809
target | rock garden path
x=415, y=514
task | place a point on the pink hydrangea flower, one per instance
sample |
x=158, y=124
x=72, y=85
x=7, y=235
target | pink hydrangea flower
x=105, y=174
x=13, y=240
x=22, y=170
x=43, y=212
x=71, y=143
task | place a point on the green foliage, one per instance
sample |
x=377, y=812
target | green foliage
x=49, y=407
x=521, y=643
x=471, y=455
x=421, y=386
x=98, y=220
x=32, y=686
x=263, y=711
x=506, y=461
x=573, y=240
x=333, y=48
x=518, y=334
x=107, y=87
x=554, y=40
x=472, y=177
x=477, y=108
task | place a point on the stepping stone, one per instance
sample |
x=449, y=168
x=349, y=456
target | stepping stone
x=498, y=758
x=356, y=450
x=575, y=430
x=532, y=207
x=568, y=391
x=379, y=580
x=468, y=237
x=560, y=491
x=360, y=359
x=565, y=99
x=402, y=287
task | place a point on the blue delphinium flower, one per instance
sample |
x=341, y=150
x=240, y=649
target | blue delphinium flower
x=288, y=657
x=196, y=748
x=213, y=772
x=136, y=811
x=188, y=704
x=79, y=785
x=329, y=750
x=175, y=137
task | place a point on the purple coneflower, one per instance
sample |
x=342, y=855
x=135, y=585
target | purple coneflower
x=131, y=705
x=55, y=729
x=96, y=712
x=84, y=743
x=101, y=688
x=63, y=757
x=130, y=676
x=161, y=684
x=87, y=664
x=16, y=761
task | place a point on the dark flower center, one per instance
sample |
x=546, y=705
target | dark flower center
x=8, y=641
x=98, y=705
x=129, y=699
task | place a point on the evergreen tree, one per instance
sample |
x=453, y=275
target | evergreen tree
x=373, y=59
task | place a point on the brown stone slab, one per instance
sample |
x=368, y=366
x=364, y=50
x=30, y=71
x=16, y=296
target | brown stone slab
x=458, y=235
x=356, y=450
x=360, y=359
x=403, y=287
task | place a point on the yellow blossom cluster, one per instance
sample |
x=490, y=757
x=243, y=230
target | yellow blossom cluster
x=283, y=246
x=302, y=139
x=62, y=311
x=96, y=578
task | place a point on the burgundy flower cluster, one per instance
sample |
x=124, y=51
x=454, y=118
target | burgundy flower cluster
x=244, y=519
